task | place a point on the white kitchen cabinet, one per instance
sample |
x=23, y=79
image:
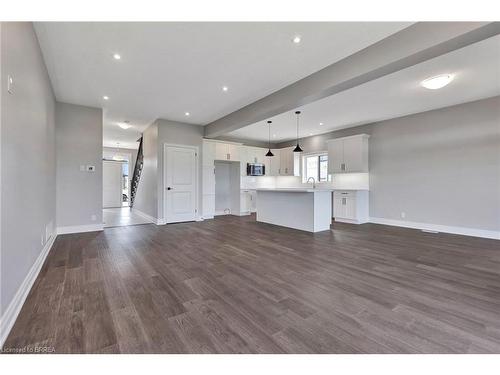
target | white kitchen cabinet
x=227, y=151
x=245, y=202
x=208, y=178
x=274, y=163
x=253, y=201
x=289, y=162
x=208, y=206
x=351, y=206
x=234, y=152
x=208, y=153
x=348, y=154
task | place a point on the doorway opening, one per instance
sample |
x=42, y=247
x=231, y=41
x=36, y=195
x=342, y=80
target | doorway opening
x=117, y=166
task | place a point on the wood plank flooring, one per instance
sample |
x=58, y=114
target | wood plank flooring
x=232, y=285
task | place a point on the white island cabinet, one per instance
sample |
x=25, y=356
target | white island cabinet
x=305, y=209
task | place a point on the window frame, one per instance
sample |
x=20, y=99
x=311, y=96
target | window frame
x=318, y=172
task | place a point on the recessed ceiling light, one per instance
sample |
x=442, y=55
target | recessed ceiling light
x=123, y=125
x=116, y=56
x=224, y=88
x=437, y=82
x=105, y=97
x=296, y=39
x=320, y=124
x=186, y=114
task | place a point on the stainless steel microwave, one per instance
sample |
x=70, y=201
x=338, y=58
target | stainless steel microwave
x=256, y=169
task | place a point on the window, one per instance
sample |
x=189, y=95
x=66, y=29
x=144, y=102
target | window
x=315, y=166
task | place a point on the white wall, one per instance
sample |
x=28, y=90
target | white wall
x=78, y=142
x=178, y=133
x=28, y=163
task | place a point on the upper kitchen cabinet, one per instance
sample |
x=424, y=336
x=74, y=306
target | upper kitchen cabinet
x=289, y=162
x=227, y=151
x=208, y=153
x=348, y=154
x=274, y=163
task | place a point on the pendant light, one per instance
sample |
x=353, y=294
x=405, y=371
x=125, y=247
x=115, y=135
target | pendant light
x=269, y=153
x=297, y=148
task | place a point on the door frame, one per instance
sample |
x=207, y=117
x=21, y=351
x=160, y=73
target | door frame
x=121, y=193
x=196, y=149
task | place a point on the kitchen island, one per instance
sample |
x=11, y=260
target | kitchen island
x=305, y=209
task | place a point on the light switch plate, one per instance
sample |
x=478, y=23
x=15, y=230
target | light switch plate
x=10, y=84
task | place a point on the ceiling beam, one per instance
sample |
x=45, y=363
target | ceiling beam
x=417, y=43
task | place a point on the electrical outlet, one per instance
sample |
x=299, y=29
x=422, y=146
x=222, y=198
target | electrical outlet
x=90, y=168
x=403, y=215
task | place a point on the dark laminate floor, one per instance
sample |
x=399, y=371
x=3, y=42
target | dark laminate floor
x=233, y=285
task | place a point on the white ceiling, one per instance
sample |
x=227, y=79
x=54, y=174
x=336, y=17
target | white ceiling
x=167, y=69
x=477, y=75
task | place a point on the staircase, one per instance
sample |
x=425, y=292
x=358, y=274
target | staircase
x=137, y=174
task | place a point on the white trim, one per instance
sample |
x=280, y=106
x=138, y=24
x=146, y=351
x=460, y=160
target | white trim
x=150, y=218
x=221, y=141
x=438, y=228
x=364, y=135
x=197, y=179
x=10, y=315
x=80, y=228
x=349, y=221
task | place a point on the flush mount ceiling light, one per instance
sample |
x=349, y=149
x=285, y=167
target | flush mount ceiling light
x=297, y=148
x=224, y=88
x=296, y=39
x=269, y=153
x=437, y=82
x=105, y=97
x=186, y=113
x=321, y=124
x=124, y=125
x=116, y=56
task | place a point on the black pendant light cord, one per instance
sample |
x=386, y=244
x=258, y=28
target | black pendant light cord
x=269, y=139
x=269, y=152
x=297, y=148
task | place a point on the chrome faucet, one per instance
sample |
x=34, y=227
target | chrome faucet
x=314, y=182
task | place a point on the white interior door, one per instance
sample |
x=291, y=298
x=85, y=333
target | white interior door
x=180, y=184
x=111, y=184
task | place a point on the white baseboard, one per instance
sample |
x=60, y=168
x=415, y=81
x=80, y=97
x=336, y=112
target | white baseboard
x=161, y=222
x=150, y=218
x=349, y=221
x=10, y=315
x=438, y=228
x=80, y=228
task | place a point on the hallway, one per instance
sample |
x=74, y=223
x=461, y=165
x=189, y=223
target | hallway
x=120, y=217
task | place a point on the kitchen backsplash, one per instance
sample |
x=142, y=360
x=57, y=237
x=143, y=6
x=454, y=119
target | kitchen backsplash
x=347, y=181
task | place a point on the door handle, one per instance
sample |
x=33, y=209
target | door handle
x=169, y=188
